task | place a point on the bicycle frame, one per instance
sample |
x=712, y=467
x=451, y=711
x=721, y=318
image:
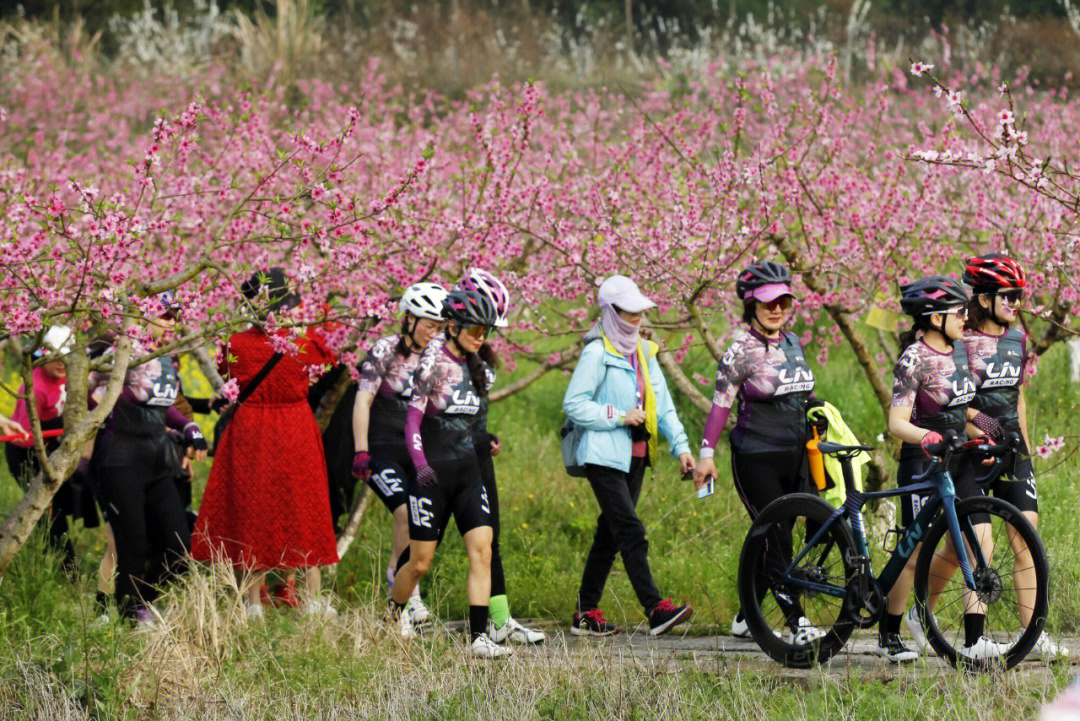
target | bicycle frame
x=943, y=494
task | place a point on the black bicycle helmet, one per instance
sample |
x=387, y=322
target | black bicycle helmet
x=469, y=307
x=764, y=272
x=933, y=294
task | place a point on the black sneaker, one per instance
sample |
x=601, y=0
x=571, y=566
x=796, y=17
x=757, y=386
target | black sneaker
x=667, y=615
x=893, y=649
x=592, y=623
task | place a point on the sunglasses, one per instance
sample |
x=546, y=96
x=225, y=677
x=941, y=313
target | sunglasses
x=960, y=310
x=477, y=332
x=1012, y=297
x=784, y=302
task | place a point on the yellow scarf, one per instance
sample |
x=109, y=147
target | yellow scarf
x=650, y=396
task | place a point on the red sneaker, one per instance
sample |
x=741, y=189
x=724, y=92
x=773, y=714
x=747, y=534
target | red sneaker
x=592, y=623
x=667, y=615
x=285, y=595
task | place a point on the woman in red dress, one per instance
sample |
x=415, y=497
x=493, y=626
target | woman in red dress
x=267, y=503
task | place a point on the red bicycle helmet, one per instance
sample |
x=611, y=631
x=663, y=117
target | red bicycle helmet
x=994, y=272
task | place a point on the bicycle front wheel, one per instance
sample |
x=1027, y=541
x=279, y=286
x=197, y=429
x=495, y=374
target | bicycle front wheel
x=793, y=617
x=1011, y=572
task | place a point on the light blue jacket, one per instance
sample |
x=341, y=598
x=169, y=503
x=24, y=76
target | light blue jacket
x=606, y=442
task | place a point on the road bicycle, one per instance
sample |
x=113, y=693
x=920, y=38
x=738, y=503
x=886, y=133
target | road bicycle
x=829, y=584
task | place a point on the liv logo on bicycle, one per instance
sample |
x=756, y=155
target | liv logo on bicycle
x=911, y=539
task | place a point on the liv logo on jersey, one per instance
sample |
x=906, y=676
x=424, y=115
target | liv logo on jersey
x=1001, y=374
x=418, y=507
x=463, y=403
x=799, y=381
x=963, y=391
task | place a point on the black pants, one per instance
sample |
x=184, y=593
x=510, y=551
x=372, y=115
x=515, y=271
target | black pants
x=147, y=518
x=487, y=475
x=618, y=529
x=761, y=478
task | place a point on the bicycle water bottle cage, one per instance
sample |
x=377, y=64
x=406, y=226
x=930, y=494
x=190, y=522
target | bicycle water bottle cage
x=895, y=531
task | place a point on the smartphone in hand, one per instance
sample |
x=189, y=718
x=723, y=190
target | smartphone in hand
x=708, y=489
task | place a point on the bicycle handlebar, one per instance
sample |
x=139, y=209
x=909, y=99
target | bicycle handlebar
x=941, y=453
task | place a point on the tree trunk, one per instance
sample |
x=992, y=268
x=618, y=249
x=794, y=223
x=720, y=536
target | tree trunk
x=208, y=367
x=684, y=384
x=629, y=5
x=80, y=426
x=360, y=507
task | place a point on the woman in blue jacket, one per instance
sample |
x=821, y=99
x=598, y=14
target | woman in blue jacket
x=619, y=397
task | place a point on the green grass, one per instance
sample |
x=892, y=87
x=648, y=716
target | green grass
x=50, y=656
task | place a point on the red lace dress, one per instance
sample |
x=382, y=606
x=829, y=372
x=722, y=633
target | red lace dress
x=267, y=502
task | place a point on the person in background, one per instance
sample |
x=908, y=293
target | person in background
x=134, y=476
x=73, y=498
x=619, y=396
x=267, y=501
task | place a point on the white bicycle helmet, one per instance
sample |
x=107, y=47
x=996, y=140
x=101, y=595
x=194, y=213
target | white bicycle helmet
x=424, y=300
x=58, y=339
x=484, y=282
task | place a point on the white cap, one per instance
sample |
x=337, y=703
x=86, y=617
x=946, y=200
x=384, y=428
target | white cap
x=618, y=290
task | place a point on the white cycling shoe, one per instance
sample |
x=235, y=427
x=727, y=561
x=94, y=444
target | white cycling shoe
x=739, y=628
x=1046, y=650
x=806, y=632
x=418, y=612
x=483, y=647
x=514, y=632
x=915, y=628
x=983, y=650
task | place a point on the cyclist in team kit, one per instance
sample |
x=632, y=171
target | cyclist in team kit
x=932, y=390
x=378, y=420
x=997, y=354
x=440, y=432
x=766, y=371
x=502, y=626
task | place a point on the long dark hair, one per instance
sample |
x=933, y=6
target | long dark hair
x=977, y=314
x=403, y=348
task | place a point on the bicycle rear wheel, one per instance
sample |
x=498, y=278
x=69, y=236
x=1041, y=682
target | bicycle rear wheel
x=772, y=605
x=1011, y=583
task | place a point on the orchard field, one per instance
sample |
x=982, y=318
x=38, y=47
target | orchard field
x=120, y=180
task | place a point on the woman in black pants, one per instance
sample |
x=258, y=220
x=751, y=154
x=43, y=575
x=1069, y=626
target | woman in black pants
x=134, y=475
x=618, y=396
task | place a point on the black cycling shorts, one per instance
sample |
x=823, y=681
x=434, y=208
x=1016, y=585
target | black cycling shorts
x=963, y=472
x=459, y=492
x=391, y=470
x=1019, y=489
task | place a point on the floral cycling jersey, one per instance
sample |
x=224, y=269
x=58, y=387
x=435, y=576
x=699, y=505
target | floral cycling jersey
x=997, y=366
x=445, y=407
x=937, y=386
x=388, y=377
x=481, y=437
x=772, y=383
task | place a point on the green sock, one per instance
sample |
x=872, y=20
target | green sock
x=499, y=610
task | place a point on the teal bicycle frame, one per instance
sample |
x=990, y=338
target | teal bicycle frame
x=943, y=495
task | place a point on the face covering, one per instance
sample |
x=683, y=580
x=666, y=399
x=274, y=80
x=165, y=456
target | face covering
x=623, y=335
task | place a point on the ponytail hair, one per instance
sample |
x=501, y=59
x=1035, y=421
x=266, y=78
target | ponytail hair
x=476, y=373
x=402, y=348
x=489, y=356
x=909, y=336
